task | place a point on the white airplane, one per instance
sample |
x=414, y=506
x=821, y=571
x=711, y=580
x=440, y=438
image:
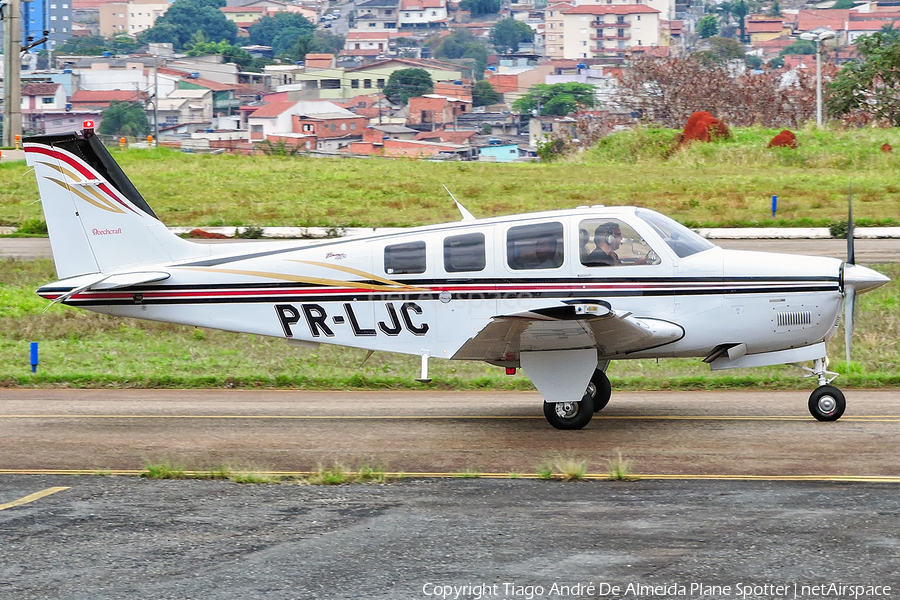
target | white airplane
x=559, y=294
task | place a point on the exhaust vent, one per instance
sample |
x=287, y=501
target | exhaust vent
x=793, y=318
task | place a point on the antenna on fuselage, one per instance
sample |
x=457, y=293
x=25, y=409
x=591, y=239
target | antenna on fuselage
x=466, y=215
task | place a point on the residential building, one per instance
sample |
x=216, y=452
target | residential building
x=498, y=153
x=186, y=106
x=277, y=118
x=423, y=14
x=764, y=30
x=554, y=35
x=609, y=30
x=101, y=99
x=330, y=125
x=366, y=43
x=43, y=96
x=433, y=110
x=377, y=15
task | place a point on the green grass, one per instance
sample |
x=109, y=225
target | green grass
x=729, y=183
x=84, y=349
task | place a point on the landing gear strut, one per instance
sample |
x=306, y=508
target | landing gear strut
x=826, y=403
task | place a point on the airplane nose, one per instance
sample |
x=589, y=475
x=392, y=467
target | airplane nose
x=863, y=279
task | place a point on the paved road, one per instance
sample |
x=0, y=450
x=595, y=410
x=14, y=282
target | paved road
x=117, y=538
x=867, y=251
x=700, y=433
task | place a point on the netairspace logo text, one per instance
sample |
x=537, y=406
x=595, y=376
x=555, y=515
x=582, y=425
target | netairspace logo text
x=739, y=590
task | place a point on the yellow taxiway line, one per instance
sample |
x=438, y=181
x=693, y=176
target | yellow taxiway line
x=448, y=475
x=32, y=497
x=854, y=418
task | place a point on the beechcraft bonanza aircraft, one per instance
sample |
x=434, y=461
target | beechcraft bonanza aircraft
x=559, y=293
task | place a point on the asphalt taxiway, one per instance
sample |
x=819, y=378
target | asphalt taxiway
x=731, y=433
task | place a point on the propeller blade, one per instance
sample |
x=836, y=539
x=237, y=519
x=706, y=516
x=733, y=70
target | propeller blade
x=849, y=307
x=851, y=255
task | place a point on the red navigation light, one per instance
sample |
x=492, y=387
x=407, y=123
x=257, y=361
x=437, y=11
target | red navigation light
x=88, y=124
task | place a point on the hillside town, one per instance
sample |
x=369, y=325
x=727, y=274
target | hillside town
x=330, y=78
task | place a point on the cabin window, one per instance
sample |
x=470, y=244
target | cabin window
x=404, y=258
x=464, y=253
x=604, y=242
x=679, y=238
x=538, y=246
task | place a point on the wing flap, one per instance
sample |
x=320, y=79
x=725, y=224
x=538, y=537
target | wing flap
x=568, y=327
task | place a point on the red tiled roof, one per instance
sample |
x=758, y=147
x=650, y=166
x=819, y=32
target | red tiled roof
x=273, y=109
x=101, y=96
x=367, y=35
x=421, y=4
x=869, y=25
x=40, y=89
x=765, y=26
x=833, y=18
x=616, y=9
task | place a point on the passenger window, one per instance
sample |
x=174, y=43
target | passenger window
x=611, y=242
x=464, y=253
x=538, y=246
x=404, y=258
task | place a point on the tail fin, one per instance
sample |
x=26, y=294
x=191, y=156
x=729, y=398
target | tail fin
x=97, y=220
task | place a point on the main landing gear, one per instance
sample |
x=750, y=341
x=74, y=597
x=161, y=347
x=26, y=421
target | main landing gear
x=575, y=415
x=826, y=403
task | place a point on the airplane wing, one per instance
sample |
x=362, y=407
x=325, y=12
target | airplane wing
x=575, y=324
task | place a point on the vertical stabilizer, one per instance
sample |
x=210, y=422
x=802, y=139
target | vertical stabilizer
x=98, y=222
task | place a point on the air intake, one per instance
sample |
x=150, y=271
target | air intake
x=793, y=318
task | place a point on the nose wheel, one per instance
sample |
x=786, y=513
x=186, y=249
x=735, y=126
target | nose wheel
x=827, y=403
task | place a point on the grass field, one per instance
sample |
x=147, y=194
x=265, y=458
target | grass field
x=727, y=183
x=84, y=349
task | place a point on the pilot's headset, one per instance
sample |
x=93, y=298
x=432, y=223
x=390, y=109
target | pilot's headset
x=608, y=230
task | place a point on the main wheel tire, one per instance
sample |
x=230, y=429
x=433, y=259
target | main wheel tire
x=599, y=390
x=827, y=403
x=569, y=415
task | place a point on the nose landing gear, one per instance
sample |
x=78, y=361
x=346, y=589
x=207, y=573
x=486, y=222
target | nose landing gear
x=826, y=403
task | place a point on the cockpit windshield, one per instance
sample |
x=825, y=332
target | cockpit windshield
x=680, y=239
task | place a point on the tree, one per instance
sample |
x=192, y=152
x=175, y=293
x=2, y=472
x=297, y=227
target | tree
x=407, y=83
x=124, y=119
x=668, y=90
x=869, y=87
x=94, y=45
x=460, y=44
x=185, y=18
x=708, y=26
x=741, y=10
x=229, y=53
x=806, y=47
x=484, y=93
x=265, y=31
x=775, y=9
x=721, y=51
x=480, y=7
x=556, y=99
x=507, y=34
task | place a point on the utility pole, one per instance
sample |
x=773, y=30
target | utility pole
x=12, y=68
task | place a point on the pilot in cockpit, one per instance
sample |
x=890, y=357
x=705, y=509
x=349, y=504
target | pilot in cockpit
x=607, y=239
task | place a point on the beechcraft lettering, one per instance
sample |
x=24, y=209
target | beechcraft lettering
x=317, y=319
x=559, y=294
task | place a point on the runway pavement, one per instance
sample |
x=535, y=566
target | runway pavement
x=868, y=251
x=737, y=433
